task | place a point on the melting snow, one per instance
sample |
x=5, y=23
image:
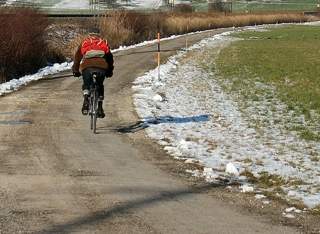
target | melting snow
x=14, y=84
x=259, y=196
x=199, y=120
x=289, y=216
x=292, y=209
x=231, y=169
x=246, y=188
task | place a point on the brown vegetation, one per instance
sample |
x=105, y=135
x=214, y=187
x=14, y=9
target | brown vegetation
x=125, y=27
x=22, y=42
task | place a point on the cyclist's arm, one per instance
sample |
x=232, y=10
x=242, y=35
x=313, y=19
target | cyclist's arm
x=109, y=60
x=77, y=59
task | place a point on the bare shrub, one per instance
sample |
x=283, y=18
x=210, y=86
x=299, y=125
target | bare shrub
x=22, y=42
x=116, y=29
x=128, y=27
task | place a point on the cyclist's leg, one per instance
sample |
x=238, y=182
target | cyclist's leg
x=101, y=88
x=100, y=80
x=87, y=81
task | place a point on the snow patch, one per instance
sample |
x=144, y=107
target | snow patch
x=246, y=188
x=292, y=209
x=266, y=202
x=259, y=196
x=15, y=84
x=289, y=216
x=231, y=169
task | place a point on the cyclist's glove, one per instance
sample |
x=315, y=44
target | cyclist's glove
x=76, y=74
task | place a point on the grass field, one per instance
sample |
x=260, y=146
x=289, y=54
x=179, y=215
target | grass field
x=282, y=63
x=241, y=6
x=262, y=6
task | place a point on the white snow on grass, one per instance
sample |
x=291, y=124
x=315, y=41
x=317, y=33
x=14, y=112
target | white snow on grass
x=290, y=211
x=259, y=196
x=15, y=84
x=289, y=216
x=245, y=188
x=192, y=117
x=232, y=169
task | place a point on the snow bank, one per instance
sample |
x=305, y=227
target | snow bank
x=15, y=84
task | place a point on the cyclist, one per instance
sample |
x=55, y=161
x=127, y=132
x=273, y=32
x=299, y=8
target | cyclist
x=93, y=56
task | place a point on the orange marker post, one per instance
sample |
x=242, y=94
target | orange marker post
x=187, y=36
x=159, y=57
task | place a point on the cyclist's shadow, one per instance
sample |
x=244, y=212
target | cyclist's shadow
x=149, y=121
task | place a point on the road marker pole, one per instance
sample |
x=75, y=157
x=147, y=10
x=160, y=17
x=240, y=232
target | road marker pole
x=187, y=34
x=159, y=57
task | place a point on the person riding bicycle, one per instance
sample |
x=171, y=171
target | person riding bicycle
x=93, y=56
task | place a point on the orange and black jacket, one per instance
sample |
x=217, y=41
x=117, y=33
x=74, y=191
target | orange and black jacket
x=105, y=63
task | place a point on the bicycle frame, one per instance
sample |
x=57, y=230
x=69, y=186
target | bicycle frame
x=93, y=104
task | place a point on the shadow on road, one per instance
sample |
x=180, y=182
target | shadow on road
x=147, y=122
x=105, y=214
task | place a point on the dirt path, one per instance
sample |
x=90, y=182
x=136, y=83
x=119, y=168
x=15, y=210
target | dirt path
x=56, y=177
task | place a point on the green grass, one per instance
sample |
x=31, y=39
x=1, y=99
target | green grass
x=260, y=6
x=285, y=58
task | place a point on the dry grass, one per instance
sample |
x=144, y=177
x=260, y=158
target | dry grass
x=74, y=44
x=127, y=27
x=180, y=24
x=22, y=42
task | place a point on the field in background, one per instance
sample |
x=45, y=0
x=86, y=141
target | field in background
x=239, y=6
x=281, y=63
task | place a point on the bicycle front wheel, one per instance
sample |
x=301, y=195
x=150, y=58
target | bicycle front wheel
x=95, y=110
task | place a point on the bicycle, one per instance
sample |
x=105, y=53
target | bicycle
x=93, y=104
